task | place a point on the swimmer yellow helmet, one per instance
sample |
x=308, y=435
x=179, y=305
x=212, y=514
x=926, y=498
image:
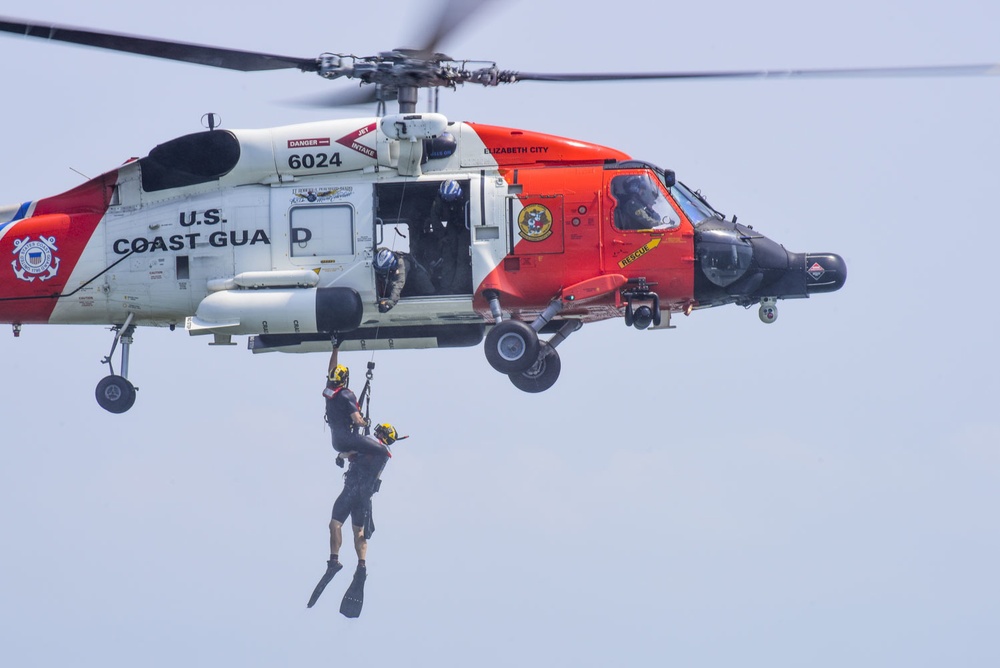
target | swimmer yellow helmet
x=341, y=375
x=386, y=433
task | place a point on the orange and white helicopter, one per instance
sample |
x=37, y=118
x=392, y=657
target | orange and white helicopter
x=273, y=233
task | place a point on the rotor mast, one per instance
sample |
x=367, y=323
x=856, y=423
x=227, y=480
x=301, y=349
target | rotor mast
x=407, y=99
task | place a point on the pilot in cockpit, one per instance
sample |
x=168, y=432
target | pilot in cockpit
x=640, y=206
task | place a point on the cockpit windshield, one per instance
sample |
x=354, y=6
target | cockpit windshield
x=694, y=207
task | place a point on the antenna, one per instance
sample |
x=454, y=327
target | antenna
x=211, y=120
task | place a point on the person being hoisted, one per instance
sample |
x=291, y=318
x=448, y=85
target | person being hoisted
x=360, y=482
x=368, y=457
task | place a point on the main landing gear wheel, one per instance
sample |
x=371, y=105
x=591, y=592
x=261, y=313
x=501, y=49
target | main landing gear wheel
x=541, y=375
x=512, y=346
x=115, y=394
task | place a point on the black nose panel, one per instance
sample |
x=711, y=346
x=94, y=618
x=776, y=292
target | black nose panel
x=825, y=272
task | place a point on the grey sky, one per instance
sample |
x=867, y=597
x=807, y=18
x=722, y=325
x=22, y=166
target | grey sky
x=822, y=491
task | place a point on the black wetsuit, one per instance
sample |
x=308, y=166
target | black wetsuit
x=341, y=403
x=360, y=483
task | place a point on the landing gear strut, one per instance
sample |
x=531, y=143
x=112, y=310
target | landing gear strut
x=115, y=393
x=513, y=347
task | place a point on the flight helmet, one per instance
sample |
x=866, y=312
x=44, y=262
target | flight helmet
x=385, y=261
x=450, y=190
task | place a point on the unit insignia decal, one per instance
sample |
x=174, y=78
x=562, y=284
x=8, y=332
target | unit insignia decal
x=321, y=194
x=35, y=258
x=535, y=222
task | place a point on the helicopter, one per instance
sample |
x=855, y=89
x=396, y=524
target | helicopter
x=273, y=233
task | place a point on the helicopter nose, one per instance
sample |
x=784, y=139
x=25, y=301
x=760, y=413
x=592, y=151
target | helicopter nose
x=825, y=272
x=739, y=264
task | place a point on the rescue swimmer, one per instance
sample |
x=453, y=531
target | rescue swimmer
x=368, y=457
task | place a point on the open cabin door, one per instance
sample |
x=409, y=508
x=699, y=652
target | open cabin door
x=412, y=217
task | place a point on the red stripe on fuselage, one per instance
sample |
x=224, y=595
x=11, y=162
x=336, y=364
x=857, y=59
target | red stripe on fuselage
x=40, y=253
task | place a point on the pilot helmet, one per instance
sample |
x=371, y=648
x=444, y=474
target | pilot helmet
x=385, y=261
x=643, y=187
x=450, y=190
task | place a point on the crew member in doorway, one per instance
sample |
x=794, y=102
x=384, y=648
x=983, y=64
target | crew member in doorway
x=448, y=221
x=361, y=481
x=400, y=275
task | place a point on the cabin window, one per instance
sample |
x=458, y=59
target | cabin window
x=321, y=231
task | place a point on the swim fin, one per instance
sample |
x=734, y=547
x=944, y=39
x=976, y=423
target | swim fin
x=354, y=598
x=332, y=568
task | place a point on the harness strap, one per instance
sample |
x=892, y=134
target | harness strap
x=366, y=397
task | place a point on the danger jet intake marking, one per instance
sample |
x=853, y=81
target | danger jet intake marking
x=307, y=143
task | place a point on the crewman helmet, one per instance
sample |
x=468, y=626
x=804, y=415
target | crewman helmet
x=385, y=261
x=340, y=376
x=450, y=190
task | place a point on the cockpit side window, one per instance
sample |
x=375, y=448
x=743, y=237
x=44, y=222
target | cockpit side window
x=641, y=204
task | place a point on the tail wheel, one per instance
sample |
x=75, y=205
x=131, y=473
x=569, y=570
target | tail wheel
x=541, y=375
x=115, y=394
x=512, y=346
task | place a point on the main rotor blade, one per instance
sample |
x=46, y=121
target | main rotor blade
x=451, y=14
x=346, y=97
x=987, y=69
x=244, y=61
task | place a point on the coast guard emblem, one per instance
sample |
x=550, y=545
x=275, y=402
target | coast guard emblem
x=35, y=258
